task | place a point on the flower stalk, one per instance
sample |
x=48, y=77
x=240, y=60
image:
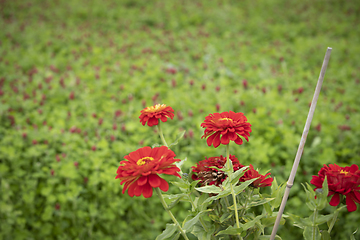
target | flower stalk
x=161, y=134
x=157, y=190
x=228, y=161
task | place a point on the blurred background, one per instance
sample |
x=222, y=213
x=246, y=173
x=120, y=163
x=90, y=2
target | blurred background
x=74, y=76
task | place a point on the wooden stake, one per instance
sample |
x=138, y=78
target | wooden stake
x=300, y=150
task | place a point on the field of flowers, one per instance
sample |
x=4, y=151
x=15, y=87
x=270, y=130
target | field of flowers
x=74, y=76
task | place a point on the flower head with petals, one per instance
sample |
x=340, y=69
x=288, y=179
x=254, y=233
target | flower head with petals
x=221, y=128
x=211, y=176
x=341, y=181
x=152, y=114
x=262, y=181
x=140, y=173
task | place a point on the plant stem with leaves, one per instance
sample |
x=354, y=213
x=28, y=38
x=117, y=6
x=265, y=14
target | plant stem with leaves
x=229, y=166
x=170, y=213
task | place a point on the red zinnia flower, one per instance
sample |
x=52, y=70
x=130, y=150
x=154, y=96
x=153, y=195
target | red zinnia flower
x=262, y=181
x=228, y=125
x=341, y=180
x=153, y=113
x=140, y=172
x=211, y=176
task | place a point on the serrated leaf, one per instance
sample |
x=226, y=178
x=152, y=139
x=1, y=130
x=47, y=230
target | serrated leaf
x=168, y=232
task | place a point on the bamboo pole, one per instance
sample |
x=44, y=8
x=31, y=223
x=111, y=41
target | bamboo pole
x=300, y=150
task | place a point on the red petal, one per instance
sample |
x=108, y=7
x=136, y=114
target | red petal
x=153, y=121
x=154, y=180
x=138, y=190
x=211, y=140
x=335, y=200
x=147, y=190
x=350, y=204
x=357, y=196
x=164, y=186
x=131, y=189
x=142, y=180
x=225, y=139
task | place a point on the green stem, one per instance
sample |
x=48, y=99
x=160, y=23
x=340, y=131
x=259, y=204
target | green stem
x=170, y=213
x=334, y=219
x=228, y=161
x=314, y=222
x=161, y=134
x=246, y=202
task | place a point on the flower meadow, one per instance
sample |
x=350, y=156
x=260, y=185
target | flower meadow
x=120, y=118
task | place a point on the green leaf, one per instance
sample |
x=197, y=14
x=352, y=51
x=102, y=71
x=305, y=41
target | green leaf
x=269, y=221
x=238, y=174
x=200, y=232
x=310, y=197
x=352, y=235
x=209, y=189
x=181, y=184
x=312, y=233
x=168, y=232
x=325, y=235
x=178, y=137
x=188, y=224
x=179, y=164
x=257, y=203
x=251, y=223
x=220, y=195
x=268, y=237
x=230, y=231
x=320, y=219
x=243, y=185
x=278, y=194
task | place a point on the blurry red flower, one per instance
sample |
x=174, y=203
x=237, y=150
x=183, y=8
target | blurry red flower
x=262, y=181
x=153, y=113
x=212, y=176
x=341, y=180
x=140, y=171
x=228, y=125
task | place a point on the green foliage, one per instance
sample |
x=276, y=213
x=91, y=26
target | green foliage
x=113, y=58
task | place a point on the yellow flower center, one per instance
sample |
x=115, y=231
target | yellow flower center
x=144, y=160
x=344, y=172
x=157, y=107
x=226, y=119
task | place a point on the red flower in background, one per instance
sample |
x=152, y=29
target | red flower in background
x=153, y=113
x=228, y=125
x=341, y=181
x=211, y=176
x=262, y=181
x=140, y=171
